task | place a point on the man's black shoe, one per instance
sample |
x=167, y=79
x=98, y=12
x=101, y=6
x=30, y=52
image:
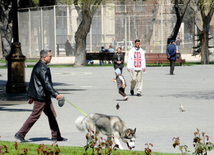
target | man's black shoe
x=138, y=94
x=17, y=136
x=59, y=139
x=132, y=92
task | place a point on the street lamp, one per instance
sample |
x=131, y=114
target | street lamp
x=16, y=60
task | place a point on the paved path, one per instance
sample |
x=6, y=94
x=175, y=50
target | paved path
x=155, y=115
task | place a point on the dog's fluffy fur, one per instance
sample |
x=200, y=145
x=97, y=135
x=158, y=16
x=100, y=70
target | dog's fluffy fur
x=107, y=125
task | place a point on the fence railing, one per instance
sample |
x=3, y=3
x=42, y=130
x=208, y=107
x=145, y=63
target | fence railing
x=51, y=27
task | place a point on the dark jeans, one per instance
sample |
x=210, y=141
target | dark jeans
x=172, y=66
x=48, y=109
x=122, y=92
x=67, y=52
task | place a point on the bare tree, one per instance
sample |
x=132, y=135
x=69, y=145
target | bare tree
x=203, y=11
x=88, y=9
x=180, y=11
x=206, y=14
x=6, y=24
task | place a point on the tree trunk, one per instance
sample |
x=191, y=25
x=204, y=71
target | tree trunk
x=6, y=26
x=206, y=23
x=80, y=38
x=204, y=49
x=203, y=53
x=180, y=14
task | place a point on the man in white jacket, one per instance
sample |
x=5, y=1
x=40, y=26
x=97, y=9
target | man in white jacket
x=136, y=65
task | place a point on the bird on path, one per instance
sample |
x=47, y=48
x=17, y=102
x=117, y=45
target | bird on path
x=117, y=106
x=181, y=108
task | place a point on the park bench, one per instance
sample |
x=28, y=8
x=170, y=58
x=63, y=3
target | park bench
x=100, y=56
x=160, y=58
x=157, y=58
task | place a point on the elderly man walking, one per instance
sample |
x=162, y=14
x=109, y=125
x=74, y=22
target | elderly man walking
x=40, y=91
x=171, y=55
x=136, y=64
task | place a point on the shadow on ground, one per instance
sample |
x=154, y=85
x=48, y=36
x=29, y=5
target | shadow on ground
x=14, y=110
x=23, y=96
x=205, y=95
x=39, y=139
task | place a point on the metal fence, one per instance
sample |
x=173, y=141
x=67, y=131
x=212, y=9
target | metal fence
x=51, y=27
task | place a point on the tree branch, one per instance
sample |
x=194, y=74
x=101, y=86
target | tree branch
x=197, y=15
x=176, y=9
x=94, y=8
x=210, y=13
x=76, y=5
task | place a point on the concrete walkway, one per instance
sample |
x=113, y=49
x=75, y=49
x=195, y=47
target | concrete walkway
x=156, y=114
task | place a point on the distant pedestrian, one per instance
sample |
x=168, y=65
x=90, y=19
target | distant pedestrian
x=178, y=43
x=136, y=65
x=40, y=92
x=102, y=50
x=68, y=48
x=171, y=55
x=118, y=59
x=121, y=83
x=113, y=42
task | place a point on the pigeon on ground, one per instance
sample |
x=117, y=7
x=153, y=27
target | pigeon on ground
x=181, y=108
x=117, y=106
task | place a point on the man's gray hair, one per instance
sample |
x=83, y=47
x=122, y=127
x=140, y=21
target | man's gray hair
x=44, y=52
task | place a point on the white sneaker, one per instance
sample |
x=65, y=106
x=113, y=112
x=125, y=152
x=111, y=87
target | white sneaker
x=125, y=98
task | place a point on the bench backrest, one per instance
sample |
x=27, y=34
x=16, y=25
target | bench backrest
x=163, y=56
x=101, y=56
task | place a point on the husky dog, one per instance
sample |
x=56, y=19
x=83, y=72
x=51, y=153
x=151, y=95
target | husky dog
x=108, y=125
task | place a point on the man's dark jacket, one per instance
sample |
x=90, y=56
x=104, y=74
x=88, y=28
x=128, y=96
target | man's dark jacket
x=171, y=51
x=40, y=86
x=118, y=58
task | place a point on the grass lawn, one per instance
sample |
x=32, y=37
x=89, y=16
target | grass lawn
x=4, y=61
x=104, y=65
x=64, y=150
x=111, y=65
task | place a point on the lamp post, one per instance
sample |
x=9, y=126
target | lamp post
x=16, y=66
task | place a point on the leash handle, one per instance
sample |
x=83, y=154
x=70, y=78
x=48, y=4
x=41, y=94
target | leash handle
x=77, y=108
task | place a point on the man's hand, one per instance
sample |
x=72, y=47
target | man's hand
x=112, y=80
x=123, y=86
x=119, y=62
x=30, y=101
x=128, y=70
x=59, y=97
x=168, y=56
x=144, y=69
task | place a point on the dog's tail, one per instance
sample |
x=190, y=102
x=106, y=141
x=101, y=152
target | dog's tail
x=79, y=123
